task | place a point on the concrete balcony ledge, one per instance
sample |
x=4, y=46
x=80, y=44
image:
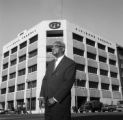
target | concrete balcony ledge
x=112, y=56
x=102, y=53
x=80, y=75
x=91, y=49
x=33, y=46
x=92, y=63
x=81, y=91
x=20, y=94
x=22, y=51
x=113, y=68
x=3, y=85
x=116, y=95
x=79, y=59
x=13, y=56
x=106, y=93
x=105, y=79
x=94, y=92
x=78, y=45
x=93, y=77
x=2, y=97
x=103, y=66
x=115, y=81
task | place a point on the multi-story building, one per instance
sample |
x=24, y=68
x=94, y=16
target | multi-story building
x=24, y=63
x=120, y=61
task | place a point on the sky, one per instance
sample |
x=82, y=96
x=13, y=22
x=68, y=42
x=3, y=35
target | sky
x=102, y=17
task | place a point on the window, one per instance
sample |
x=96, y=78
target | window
x=80, y=83
x=80, y=67
x=112, y=62
x=5, y=65
x=91, y=55
x=24, y=44
x=33, y=104
x=22, y=58
x=92, y=70
x=33, y=39
x=32, y=84
x=111, y=50
x=102, y=59
x=14, y=50
x=104, y=86
x=33, y=53
x=11, y=89
x=10, y=104
x=32, y=68
x=100, y=46
x=21, y=72
x=93, y=84
x=55, y=33
x=6, y=54
x=78, y=51
x=13, y=62
x=113, y=74
x=90, y=42
x=103, y=72
x=3, y=91
x=4, y=78
x=115, y=87
x=20, y=87
x=12, y=75
x=77, y=37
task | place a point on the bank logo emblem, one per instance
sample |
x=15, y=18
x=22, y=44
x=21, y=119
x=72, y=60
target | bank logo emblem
x=55, y=25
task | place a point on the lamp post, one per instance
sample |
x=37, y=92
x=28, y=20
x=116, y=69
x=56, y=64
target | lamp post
x=30, y=99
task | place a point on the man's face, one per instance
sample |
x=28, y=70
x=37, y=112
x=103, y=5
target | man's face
x=57, y=50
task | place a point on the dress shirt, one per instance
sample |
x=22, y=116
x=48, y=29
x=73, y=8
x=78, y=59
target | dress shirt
x=58, y=60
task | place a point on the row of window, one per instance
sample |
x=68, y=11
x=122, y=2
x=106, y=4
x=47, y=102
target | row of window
x=92, y=43
x=31, y=84
x=21, y=58
x=21, y=72
x=104, y=86
x=22, y=45
x=93, y=56
x=20, y=102
x=94, y=70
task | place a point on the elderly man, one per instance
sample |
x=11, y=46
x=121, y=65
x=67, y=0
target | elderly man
x=57, y=84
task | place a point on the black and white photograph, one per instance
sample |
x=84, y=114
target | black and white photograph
x=61, y=59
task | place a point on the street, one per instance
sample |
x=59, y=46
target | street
x=78, y=116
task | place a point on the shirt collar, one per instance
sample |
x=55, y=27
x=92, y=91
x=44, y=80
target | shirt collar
x=59, y=58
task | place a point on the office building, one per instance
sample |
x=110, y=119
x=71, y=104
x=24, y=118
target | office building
x=24, y=61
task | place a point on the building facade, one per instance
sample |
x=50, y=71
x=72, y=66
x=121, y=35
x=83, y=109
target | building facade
x=120, y=61
x=25, y=58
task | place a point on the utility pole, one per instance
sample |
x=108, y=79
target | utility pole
x=30, y=97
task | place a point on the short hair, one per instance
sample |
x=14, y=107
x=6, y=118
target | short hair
x=60, y=43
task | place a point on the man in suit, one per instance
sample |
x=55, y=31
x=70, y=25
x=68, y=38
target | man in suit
x=56, y=85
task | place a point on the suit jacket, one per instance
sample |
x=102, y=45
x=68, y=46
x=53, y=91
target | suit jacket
x=58, y=83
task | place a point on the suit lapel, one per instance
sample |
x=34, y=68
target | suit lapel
x=60, y=64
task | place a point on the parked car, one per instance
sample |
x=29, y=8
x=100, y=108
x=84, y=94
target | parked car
x=119, y=107
x=92, y=106
x=108, y=108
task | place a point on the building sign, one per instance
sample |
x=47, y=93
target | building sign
x=55, y=25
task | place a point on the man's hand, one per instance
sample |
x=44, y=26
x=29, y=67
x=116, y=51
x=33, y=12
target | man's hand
x=51, y=101
x=41, y=101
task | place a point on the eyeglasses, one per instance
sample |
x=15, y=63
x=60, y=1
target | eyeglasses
x=56, y=46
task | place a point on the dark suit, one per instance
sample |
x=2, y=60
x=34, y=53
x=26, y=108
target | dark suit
x=57, y=83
